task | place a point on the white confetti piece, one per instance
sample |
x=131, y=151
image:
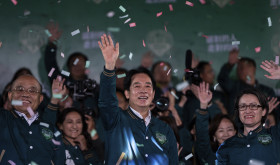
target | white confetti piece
x=93, y=133
x=127, y=20
x=122, y=57
x=182, y=85
x=256, y=162
x=215, y=86
x=188, y=156
x=14, y=2
x=189, y=3
x=175, y=70
x=17, y=102
x=132, y=24
x=62, y=54
x=121, y=75
x=130, y=56
x=176, y=97
x=276, y=60
x=159, y=14
x=113, y=29
x=57, y=95
x=51, y=72
x=75, y=32
x=122, y=8
x=168, y=72
x=235, y=43
x=76, y=61
x=170, y=7
x=33, y=163
x=87, y=64
x=269, y=22
x=65, y=73
x=44, y=124
x=26, y=12
x=48, y=33
x=56, y=142
x=110, y=14
x=11, y=162
x=30, y=111
x=165, y=68
x=124, y=16
x=57, y=133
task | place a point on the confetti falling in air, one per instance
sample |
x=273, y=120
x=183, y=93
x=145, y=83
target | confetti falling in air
x=30, y=111
x=11, y=162
x=269, y=22
x=248, y=78
x=215, y=86
x=17, y=102
x=110, y=14
x=87, y=64
x=124, y=16
x=87, y=28
x=120, y=159
x=122, y=8
x=170, y=7
x=202, y=2
x=57, y=96
x=126, y=21
x=176, y=97
x=161, y=64
x=113, y=29
x=93, y=133
x=159, y=14
x=62, y=54
x=14, y=2
x=26, y=12
x=130, y=56
x=168, y=72
x=33, y=163
x=56, y=142
x=189, y=3
x=76, y=61
x=235, y=42
x=175, y=70
x=65, y=73
x=122, y=57
x=132, y=24
x=44, y=124
x=121, y=75
x=256, y=162
x=144, y=43
x=165, y=68
x=276, y=60
x=188, y=156
x=48, y=33
x=205, y=36
x=57, y=133
x=51, y=72
x=165, y=28
x=75, y=32
x=257, y=49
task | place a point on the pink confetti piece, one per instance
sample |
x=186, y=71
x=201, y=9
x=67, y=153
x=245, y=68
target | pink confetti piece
x=144, y=43
x=168, y=72
x=188, y=70
x=11, y=162
x=202, y=2
x=62, y=54
x=56, y=142
x=189, y=3
x=276, y=60
x=161, y=64
x=132, y=24
x=30, y=111
x=170, y=7
x=257, y=49
x=87, y=29
x=205, y=36
x=159, y=14
x=165, y=28
x=14, y=2
x=51, y=72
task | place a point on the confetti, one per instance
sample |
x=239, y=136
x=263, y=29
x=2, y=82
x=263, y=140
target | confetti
x=48, y=33
x=62, y=54
x=188, y=70
x=182, y=85
x=11, y=162
x=14, y=2
x=75, y=32
x=215, y=86
x=65, y=73
x=113, y=29
x=159, y=14
x=87, y=64
x=87, y=28
x=57, y=133
x=17, y=102
x=130, y=56
x=76, y=61
x=122, y=8
x=202, y=2
x=110, y=14
x=205, y=36
x=56, y=142
x=277, y=60
x=132, y=24
x=161, y=64
x=127, y=20
x=30, y=111
x=121, y=75
x=120, y=159
x=44, y=124
x=248, y=78
x=93, y=133
x=235, y=43
x=33, y=163
x=165, y=68
x=64, y=98
x=2, y=154
x=176, y=97
x=168, y=72
x=165, y=28
x=257, y=49
x=256, y=162
x=122, y=57
x=57, y=96
x=51, y=72
x=144, y=43
x=124, y=16
x=188, y=156
x=175, y=70
x=170, y=7
x=26, y=12
x=189, y=3
x=269, y=21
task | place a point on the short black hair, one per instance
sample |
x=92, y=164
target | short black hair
x=201, y=66
x=248, y=60
x=131, y=73
x=261, y=97
x=158, y=63
x=73, y=56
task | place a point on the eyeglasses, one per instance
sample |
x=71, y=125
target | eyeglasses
x=21, y=90
x=243, y=107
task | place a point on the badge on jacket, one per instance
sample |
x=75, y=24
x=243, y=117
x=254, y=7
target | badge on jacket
x=48, y=134
x=264, y=139
x=161, y=138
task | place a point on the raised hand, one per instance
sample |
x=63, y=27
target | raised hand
x=271, y=68
x=58, y=90
x=54, y=30
x=204, y=95
x=272, y=104
x=109, y=51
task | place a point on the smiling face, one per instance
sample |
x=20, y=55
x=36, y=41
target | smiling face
x=251, y=119
x=141, y=93
x=224, y=131
x=19, y=92
x=72, y=126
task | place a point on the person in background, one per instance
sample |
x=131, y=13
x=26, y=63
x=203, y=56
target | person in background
x=147, y=60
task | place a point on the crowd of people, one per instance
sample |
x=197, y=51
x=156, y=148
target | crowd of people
x=138, y=116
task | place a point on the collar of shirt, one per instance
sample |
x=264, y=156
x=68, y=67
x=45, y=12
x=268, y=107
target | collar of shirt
x=29, y=120
x=147, y=119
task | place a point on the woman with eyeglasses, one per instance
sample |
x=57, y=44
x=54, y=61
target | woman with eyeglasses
x=253, y=144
